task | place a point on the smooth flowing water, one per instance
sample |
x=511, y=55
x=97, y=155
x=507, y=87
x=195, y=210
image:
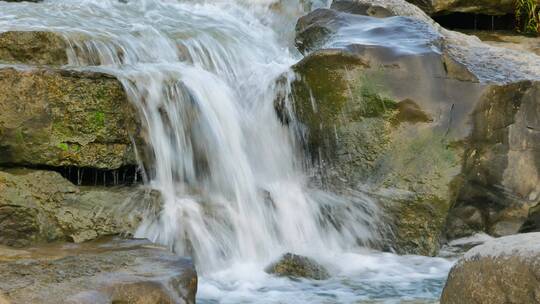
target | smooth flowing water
x=203, y=76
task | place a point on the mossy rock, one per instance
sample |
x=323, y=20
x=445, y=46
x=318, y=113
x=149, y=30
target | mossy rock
x=41, y=206
x=64, y=118
x=365, y=135
x=33, y=47
x=297, y=266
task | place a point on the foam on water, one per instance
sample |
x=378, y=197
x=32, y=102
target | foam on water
x=202, y=75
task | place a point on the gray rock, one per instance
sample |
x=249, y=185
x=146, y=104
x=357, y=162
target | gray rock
x=488, y=64
x=297, y=266
x=104, y=271
x=504, y=270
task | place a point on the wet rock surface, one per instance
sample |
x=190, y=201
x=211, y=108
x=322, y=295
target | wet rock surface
x=413, y=148
x=103, y=271
x=503, y=270
x=297, y=266
x=65, y=118
x=488, y=64
x=41, y=206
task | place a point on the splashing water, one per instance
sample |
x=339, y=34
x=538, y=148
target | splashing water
x=203, y=76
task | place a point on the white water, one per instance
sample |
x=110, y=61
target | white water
x=203, y=76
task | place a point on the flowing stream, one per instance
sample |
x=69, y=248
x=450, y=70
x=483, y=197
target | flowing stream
x=203, y=76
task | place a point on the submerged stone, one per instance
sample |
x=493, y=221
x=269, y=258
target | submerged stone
x=297, y=266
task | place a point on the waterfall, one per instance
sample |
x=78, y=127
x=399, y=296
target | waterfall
x=204, y=76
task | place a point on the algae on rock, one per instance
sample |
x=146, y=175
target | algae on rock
x=33, y=47
x=65, y=118
x=42, y=206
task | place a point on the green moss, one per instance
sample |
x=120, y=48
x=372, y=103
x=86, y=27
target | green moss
x=99, y=119
x=63, y=146
x=19, y=136
x=69, y=147
x=334, y=87
x=371, y=98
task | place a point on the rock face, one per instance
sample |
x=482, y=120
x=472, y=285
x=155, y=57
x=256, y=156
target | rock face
x=41, y=206
x=504, y=270
x=296, y=266
x=419, y=123
x=41, y=48
x=501, y=162
x=62, y=118
x=99, y=272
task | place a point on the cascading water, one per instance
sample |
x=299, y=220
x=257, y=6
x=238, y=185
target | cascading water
x=203, y=77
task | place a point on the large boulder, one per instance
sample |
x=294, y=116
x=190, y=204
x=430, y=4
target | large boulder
x=504, y=270
x=393, y=109
x=297, y=266
x=65, y=118
x=100, y=272
x=42, y=206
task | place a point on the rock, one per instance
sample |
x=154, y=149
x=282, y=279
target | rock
x=501, y=160
x=532, y=223
x=503, y=270
x=33, y=47
x=381, y=9
x=412, y=148
x=42, y=206
x=488, y=64
x=65, y=118
x=371, y=128
x=104, y=271
x=457, y=248
x=509, y=40
x=297, y=266
x=484, y=7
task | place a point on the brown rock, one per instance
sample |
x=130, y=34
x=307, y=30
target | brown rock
x=42, y=206
x=62, y=118
x=504, y=270
x=33, y=47
x=104, y=271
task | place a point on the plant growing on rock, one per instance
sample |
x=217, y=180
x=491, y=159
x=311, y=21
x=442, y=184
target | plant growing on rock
x=527, y=17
